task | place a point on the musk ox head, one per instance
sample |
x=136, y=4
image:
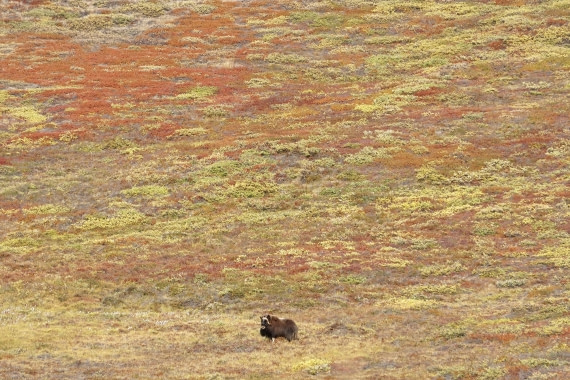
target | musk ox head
x=265, y=321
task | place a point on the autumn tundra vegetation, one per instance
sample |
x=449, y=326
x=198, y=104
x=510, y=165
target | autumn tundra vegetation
x=392, y=175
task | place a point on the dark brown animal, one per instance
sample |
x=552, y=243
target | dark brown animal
x=273, y=327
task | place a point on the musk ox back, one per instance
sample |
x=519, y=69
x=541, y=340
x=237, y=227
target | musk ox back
x=273, y=327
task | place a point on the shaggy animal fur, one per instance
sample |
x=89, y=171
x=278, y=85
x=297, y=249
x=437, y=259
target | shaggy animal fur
x=273, y=327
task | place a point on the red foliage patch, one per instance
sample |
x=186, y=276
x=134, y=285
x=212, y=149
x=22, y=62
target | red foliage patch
x=41, y=135
x=556, y=22
x=497, y=45
x=503, y=338
x=165, y=130
x=509, y=2
x=405, y=160
x=429, y=92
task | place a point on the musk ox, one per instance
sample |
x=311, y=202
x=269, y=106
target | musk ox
x=273, y=327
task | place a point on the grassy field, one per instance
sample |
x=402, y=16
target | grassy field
x=392, y=175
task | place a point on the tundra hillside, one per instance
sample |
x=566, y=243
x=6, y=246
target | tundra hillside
x=392, y=175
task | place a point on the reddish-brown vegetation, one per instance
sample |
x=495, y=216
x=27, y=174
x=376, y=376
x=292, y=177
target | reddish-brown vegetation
x=394, y=174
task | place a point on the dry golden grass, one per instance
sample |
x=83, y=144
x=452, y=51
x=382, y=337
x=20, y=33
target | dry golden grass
x=391, y=175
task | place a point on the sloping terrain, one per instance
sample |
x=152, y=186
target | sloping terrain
x=393, y=175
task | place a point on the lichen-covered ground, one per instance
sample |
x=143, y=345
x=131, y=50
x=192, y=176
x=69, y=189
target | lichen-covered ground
x=393, y=175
